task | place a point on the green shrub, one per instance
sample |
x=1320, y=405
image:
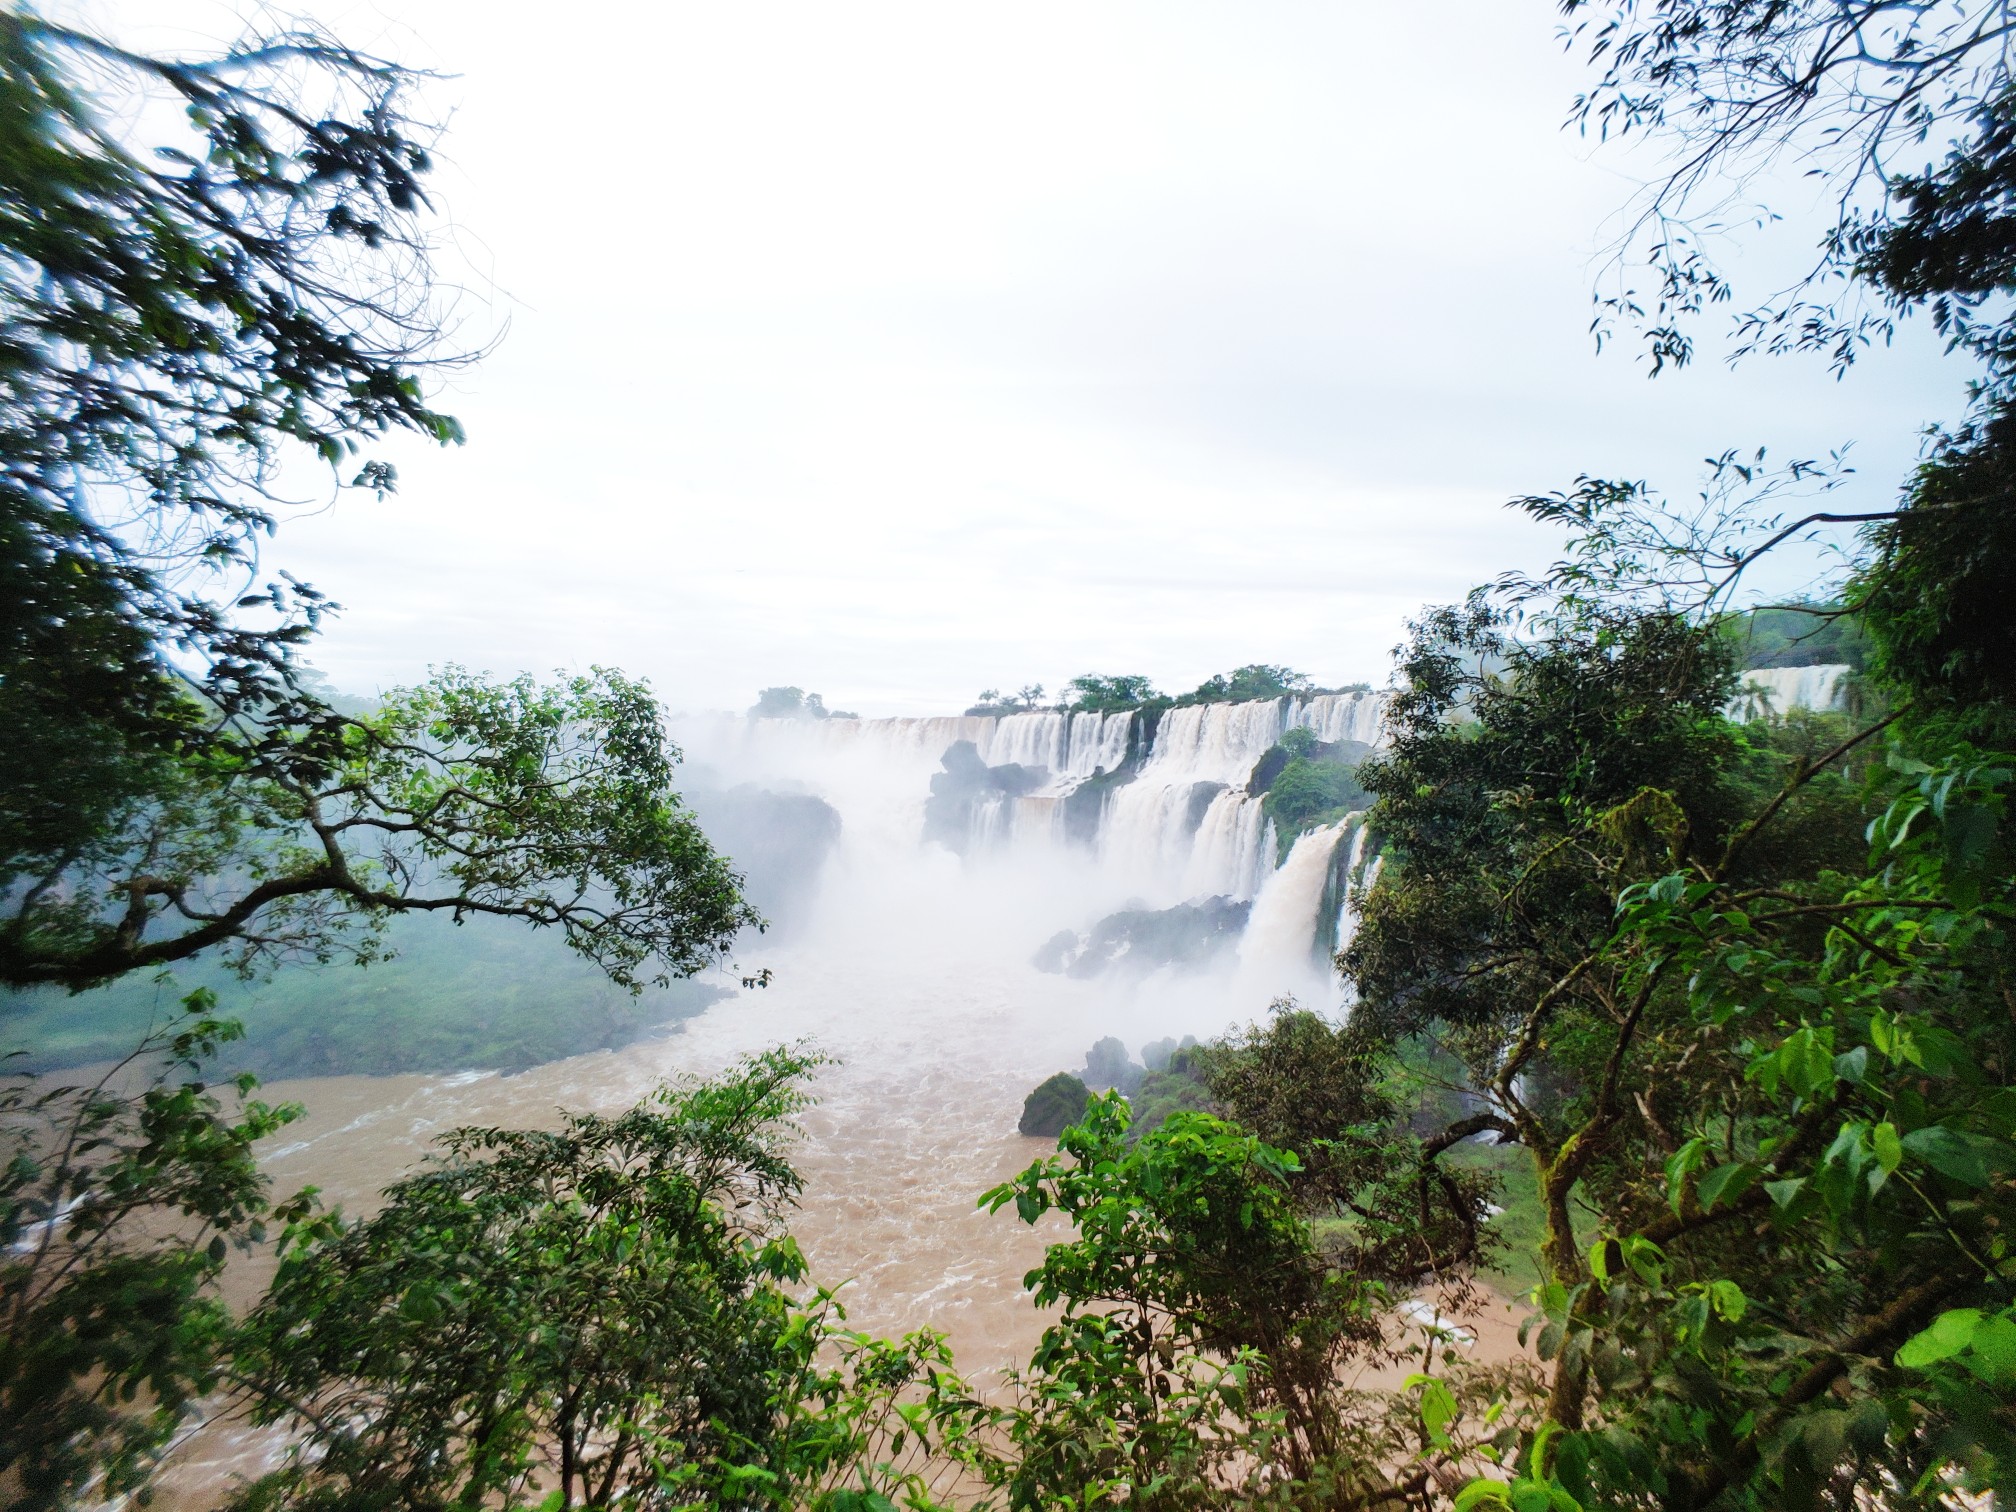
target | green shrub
x=1054, y=1106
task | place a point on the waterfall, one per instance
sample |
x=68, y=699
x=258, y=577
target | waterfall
x=1353, y=888
x=1282, y=930
x=1359, y=717
x=1233, y=849
x=1215, y=742
x=1150, y=829
x=1037, y=740
x=1170, y=820
x=1773, y=692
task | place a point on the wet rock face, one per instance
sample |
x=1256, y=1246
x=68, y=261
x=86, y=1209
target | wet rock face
x=1053, y=1106
x=779, y=841
x=1266, y=769
x=1202, y=795
x=1108, y=1065
x=966, y=782
x=1141, y=939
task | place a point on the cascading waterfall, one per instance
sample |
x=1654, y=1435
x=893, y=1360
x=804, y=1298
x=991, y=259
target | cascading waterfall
x=1358, y=717
x=1354, y=886
x=1167, y=820
x=1170, y=819
x=1152, y=828
x=1772, y=692
x=1151, y=824
x=1283, y=925
x=1233, y=850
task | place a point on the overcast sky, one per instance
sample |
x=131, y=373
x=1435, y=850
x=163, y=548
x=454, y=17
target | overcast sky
x=900, y=350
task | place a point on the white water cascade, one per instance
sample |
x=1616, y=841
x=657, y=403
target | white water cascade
x=1151, y=827
x=1282, y=930
x=1170, y=823
x=1773, y=692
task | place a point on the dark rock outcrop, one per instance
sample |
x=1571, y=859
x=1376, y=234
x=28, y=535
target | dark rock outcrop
x=1141, y=939
x=1202, y=795
x=1156, y=1054
x=966, y=782
x=1108, y=1065
x=1054, y=1106
x=1266, y=769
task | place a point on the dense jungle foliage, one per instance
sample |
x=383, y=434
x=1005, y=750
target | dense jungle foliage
x=1739, y=998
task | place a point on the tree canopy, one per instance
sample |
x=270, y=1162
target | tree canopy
x=217, y=280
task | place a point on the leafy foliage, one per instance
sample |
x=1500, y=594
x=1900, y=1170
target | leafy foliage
x=599, y=1308
x=1198, y=1355
x=118, y=1206
x=1100, y=694
x=1824, y=635
x=1309, y=792
x=550, y=805
x=180, y=321
x=1851, y=92
x=1244, y=684
x=1192, y=1303
x=1661, y=944
x=794, y=703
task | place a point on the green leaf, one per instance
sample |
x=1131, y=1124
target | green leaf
x=1949, y=1333
x=1483, y=1493
x=1680, y=1165
x=1785, y=1193
x=1728, y=1300
x=1948, y=1152
x=1992, y=1350
x=1889, y=1150
x=1726, y=1183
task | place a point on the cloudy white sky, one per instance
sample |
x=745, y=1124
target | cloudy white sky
x=898, y=350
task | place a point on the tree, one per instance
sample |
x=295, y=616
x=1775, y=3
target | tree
x=1186, y=1246
x=600, y=1309
x=117, y=1209
x=551, y=805
x=180, y=320
x=600, y=1316
x=1245, y=684
x=1758, y=1050
x=793, y=703
x=190, y=315
x=1029, y=695
x=1336, y=1095
x=1099, y=694
x=1904, y=112
x=184, y=316
x=1852, y=92
x=1197, y=1355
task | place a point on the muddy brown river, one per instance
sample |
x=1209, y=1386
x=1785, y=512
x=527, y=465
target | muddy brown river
x=915, y=1119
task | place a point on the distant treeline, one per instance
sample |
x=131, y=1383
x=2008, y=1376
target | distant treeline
x=1104, y=693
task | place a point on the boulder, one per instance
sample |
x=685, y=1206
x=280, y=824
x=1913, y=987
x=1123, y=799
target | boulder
x=1055, y=1105
x=1107, y=1065
x=1141, y=939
